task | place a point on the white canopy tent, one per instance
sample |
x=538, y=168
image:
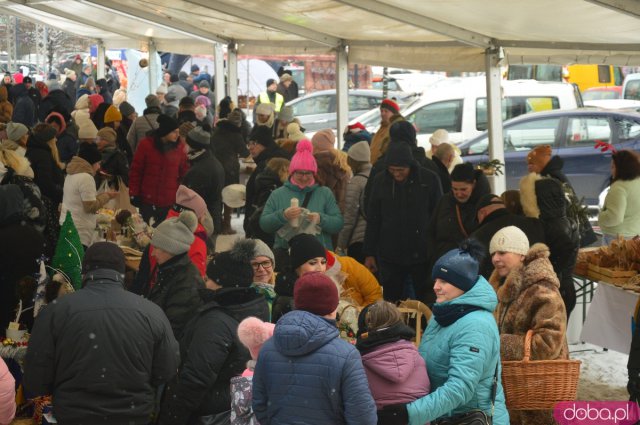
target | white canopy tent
x=446, y=35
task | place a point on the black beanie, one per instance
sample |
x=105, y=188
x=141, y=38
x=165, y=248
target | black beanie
x=262, y=134
x=399, y=155
x=304, y=247
x=173, y=78
x=463, y=173
x=103, y=255
x=166, y=125
x=89, y=152
x=403, y=131
x=232, y=269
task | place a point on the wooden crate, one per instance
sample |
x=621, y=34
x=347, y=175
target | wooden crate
x=610, y=275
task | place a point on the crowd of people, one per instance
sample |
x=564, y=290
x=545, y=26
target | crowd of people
x=297, y=322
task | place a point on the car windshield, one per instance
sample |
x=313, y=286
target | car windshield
x=600, y=95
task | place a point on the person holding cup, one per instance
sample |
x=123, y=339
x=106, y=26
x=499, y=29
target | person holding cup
x=316, y=205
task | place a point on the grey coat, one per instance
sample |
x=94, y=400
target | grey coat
x=354, y=222
x=141, y=126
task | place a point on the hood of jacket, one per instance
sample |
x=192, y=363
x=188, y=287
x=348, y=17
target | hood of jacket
x=82, y=102
x=481, y=188
x=299, y=333
x=528, y=198
x=11, y=203
x=536, y=268
x=480, y=295
x=78, y=165
x=267, y=178
x=551, y=199
x=395, y=361
x=554, y=168
x=239, y=303
x=103, y=276
x=226, y=125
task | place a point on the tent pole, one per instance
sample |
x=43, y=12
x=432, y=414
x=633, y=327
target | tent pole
x=101, y=59
x=232, y=72
x=153, y=67
x=342, y=90
x=218, y=78
x=493, y=57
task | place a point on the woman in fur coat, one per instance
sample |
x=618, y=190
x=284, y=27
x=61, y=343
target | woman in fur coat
x=528, y=298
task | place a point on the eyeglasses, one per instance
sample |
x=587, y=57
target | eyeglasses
x=303, y=173
x=265, y=265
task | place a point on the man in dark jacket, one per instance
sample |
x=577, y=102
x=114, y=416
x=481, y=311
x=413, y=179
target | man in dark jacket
x=305, y=373
x=24, y=111
x=34, y=93
x=206, y=174
x=443, y=158
x=262, y=148
x=493, y=216
x=401, y=204
x=178, y=280
x=69, y=85
x=101, y=351
x=210, y=350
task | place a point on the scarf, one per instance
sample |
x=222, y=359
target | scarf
x=311, y=183
x=448, y=314
x=193, y=154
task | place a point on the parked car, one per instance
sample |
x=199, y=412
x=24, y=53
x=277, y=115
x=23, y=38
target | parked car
x=459, y=105
x=602, y=93
x=573, y=136
x=631, y=87
x=318, y=110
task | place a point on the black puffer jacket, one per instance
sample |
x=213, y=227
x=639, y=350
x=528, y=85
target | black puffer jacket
x=445, y=229
x=114, y=164
x=273, y=151
x=46, y=173
x=399, y=215
x=24, y=111
x=176, y=291
x=101, y=352
x=56, y=100
x=206, y=177
x=560, y=236
x=499, y=219
x=228, y=145
x=266, y=182
x=211, y=355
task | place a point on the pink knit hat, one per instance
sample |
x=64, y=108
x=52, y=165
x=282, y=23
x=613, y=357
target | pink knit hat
x=190, y=199
x=253, y=333
x=303, y=159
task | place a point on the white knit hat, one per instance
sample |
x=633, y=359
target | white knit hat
x=234, y=195
x=509, y=239
x=438, y=137
x=360, y=152
x=175, y=234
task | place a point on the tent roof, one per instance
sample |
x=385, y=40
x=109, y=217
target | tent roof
x=432, y=34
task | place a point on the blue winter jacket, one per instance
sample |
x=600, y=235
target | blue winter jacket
x=461, y=362
x=322, y=201
x=307, y=375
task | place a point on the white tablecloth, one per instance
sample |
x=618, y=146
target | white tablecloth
x=608, y=323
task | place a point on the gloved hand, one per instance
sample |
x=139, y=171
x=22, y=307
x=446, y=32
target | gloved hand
x=633, y=386
x=394, y=414
x=136, y=201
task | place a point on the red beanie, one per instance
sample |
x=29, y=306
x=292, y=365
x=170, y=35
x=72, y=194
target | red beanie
x=316, y=293
x=390, y=105
x=356, y=127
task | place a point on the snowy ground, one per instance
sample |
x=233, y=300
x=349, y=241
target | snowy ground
x=603, y=374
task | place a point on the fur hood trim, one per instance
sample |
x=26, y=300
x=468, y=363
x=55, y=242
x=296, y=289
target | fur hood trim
x=528, y=195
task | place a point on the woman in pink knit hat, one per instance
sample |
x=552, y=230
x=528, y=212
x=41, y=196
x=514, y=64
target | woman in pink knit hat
x=300, y=203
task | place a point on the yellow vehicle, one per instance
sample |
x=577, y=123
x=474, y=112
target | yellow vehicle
x=584, y=76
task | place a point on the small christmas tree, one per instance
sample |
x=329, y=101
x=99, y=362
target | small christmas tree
x=69, y=252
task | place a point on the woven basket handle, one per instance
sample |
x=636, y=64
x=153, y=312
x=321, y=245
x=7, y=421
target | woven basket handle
x=527, y=345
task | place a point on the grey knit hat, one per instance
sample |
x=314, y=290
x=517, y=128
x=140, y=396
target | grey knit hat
x=360, y=152
x=175, y=235
x=152, y=101
x=262, y=250
x=15, y=131
x=198, y=138
x=286, y=113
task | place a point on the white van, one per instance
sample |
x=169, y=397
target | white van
x=459, y=105
x=631, y=87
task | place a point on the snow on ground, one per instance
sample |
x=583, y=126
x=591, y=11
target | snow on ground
x=603, y=374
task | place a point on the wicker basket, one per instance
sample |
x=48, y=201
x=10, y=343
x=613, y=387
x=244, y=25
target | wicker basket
x=538, y=384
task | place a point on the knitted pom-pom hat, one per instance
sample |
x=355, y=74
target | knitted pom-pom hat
x=303, y=159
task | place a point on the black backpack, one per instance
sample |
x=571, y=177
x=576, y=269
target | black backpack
x=34, y=208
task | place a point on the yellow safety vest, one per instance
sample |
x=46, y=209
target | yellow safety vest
x=264, y=98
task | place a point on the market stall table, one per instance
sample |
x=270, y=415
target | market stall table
x=608, y=322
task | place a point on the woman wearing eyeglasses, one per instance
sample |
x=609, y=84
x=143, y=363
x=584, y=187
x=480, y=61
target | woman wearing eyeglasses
x=315, y=204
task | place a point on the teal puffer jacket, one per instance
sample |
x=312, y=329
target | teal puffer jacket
x=461, y=362
x=322, y=201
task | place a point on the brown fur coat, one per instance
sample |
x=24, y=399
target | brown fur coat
x=529, y=298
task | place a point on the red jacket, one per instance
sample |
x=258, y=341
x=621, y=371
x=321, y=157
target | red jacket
x=197, y=252
x=155, y=176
